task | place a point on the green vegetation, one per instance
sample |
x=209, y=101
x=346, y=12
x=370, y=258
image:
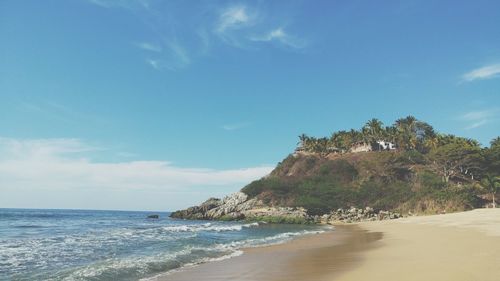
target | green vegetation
x=492, y=185
x=428, y=172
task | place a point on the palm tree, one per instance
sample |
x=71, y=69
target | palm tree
x=492, y=185
x=373, y=130
x=390, y=133
x=340, y=140
x=402, y=132
x=495, y=142
x=355, y=137
x=431, y=143
x=303, y=139
x=473, y=142
x=412, y=132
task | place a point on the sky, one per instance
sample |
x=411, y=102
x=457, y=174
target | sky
x=158, y=105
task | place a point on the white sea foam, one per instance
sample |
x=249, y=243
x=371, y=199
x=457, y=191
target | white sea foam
x=234, y=249
x=192, y=264
x=208, y=227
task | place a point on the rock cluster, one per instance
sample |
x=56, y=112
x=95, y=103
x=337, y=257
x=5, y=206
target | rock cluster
x=356, y=215
x=292, y=214
x=237, y=206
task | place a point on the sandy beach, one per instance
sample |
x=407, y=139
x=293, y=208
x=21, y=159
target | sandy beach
x=459, y=246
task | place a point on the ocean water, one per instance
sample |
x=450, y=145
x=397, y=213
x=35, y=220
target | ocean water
x=120, y=245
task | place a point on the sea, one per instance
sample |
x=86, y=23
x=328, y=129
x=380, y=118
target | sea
x=122, y=245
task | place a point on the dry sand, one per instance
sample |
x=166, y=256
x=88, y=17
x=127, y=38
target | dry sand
x=460, y=246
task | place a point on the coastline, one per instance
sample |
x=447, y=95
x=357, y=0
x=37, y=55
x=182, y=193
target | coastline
x=310, y=257
x=458, y=246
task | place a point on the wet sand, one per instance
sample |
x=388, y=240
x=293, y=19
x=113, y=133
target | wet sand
x=312, y=257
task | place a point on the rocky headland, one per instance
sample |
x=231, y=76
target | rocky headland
x=375, y=173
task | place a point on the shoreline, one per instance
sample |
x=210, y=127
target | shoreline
x=460, y=246
x=310, y=257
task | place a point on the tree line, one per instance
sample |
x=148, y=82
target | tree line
x=454, y=158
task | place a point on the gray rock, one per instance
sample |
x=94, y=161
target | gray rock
x=357, y=215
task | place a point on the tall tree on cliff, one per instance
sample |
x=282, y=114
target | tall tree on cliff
x=456, y=160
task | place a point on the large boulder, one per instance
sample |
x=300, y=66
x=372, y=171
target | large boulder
x=214, y=208
x=237, y=206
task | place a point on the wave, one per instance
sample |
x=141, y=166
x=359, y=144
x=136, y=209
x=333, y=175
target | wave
x=188, y=265
x=208, y=227
x=137, y=267
x=20, y=255
x=29, y=226
x=163, y=264
x=234, y=249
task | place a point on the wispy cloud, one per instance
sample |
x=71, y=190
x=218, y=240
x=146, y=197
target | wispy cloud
x=57, y=112
x=149, y=47
x=486, y=72
x=241, y=26
x=180, y=55
x=170, y=51
x=179, y=42
x=281, y=36
x=476, y=119
x=176, y=58
x=236, y=126
x=233, y=17
x=126, y=4
x=64, y=165
x=156, y=64
x=476, y=124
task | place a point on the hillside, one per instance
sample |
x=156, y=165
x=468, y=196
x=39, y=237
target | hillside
x=403, y=168
x=387, y=180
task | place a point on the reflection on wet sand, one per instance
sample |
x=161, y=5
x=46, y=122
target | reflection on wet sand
x=310, y=258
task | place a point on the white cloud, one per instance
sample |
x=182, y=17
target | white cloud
x=233, y=18
x=476, y=119
x=236, y=126
x=53, y=163
x=156, y=64
x=149, y=47
x=281, y=36
x=59, y=166
x=486, y=72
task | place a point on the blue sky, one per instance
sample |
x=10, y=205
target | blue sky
x=145, y=104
